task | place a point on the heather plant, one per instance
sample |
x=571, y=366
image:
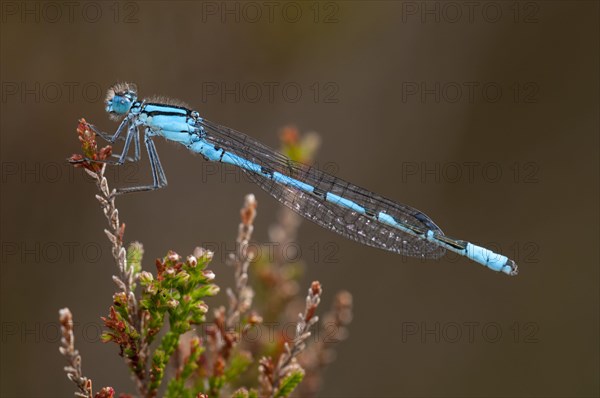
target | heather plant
x=157, y=319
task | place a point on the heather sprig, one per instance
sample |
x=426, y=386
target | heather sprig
x=89, y=146
x=177, y=386
x=153, y=316
x=240, y=299
x=177, y=293
x=225, y=333
x=73, y=369
x=280, y=380
x=320, y=353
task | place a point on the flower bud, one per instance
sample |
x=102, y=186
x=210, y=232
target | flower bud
x=213, y=290
x=146, y=277
x=174, y=257
x=209, y=275
x=202, y=307
x=201, y=252
x=183, y=276
x=120, y=298
x=152, y=289
x=192, y=261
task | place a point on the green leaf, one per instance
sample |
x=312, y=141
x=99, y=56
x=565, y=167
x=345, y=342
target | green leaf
x=135, y=252
x=244, y=393
x=240, y=393
x=238, y=365
x=216, y=384
x=289, y=383
x=106, y=337
x=176, y=387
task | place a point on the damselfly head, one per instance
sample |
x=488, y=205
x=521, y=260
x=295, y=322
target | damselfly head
x=119, y=99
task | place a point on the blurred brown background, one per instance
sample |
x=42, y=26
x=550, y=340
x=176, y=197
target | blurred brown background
x=482, y=114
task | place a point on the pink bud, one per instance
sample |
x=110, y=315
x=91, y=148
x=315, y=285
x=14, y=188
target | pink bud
x=192, y=261
x=208, y=274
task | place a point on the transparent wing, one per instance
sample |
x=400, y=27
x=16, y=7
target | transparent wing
x=350, y=224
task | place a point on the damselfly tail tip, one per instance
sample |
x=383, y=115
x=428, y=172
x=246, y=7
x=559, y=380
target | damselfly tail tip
x=510, y=268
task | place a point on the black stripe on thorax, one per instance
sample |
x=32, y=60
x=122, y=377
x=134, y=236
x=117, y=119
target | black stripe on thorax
x=183, y=108
x=161, y=113
x=188, y=112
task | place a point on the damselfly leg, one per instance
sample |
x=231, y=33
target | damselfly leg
x=133, y=136
x=158, y=174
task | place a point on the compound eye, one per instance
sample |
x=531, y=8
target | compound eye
x=120, y=97
x=120, y=105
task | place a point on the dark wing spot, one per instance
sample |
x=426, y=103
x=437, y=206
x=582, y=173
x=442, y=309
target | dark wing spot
x=318, y=191
x=416, y=230
x=426, y=221
x=370, y=212
x=266, y=171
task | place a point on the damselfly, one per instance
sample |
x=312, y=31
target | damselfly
x=331, y=202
